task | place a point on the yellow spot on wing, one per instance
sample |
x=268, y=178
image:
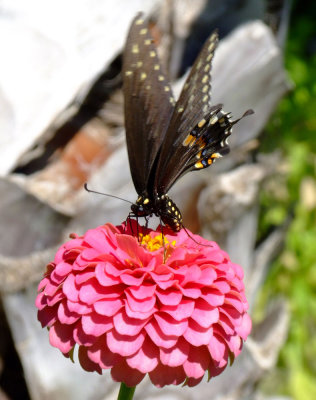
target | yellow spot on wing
x=139, y=64
x=209, y=57
x=161, y=78
x=213, y=120
x=135, y=49
x=205, y=89
x=205, y=79
x=152, y=53
x=139, y=21
x=188, y=140
x=147, y=42
x=202, y=123
x=199, y=165
x=143, y=31
x=216, y=155
x=211, y=46
x=156, y=67
x=143, y=76
x=128, y=73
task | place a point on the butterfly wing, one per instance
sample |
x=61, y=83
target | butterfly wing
x=192, y=105
x=148, y=102
x=198, y=132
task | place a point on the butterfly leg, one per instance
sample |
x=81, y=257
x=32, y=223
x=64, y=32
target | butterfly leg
x=128, y=221
x=163, y=239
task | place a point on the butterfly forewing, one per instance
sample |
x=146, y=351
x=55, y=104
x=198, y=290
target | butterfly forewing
x=148, y=102
x=191, y=108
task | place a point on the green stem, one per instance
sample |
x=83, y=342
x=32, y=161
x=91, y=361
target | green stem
x=126, y=393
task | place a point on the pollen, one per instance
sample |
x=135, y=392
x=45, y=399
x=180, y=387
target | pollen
x=156, y=242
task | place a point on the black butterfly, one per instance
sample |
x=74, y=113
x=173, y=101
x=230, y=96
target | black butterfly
x=168, y=138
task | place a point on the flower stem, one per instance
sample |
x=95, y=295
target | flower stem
x=126, y=393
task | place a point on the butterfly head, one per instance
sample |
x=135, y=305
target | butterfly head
x=142, y=207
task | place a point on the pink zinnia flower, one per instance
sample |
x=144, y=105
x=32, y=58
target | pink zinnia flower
x=162, y=305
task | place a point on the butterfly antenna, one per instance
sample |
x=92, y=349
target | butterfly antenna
x=192, y=238
x=105, y=194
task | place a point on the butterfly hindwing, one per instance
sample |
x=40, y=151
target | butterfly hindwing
x=192, y=108
x=148, y=102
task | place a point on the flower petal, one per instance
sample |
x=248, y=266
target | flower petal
x=158, y=337
x=61, y=336
x=197, y=362
x=197, y=335
x=125, y=325
x=168, y=324
x=146, y=359
x=123, y=344
x=86, y=363
x=96, y=325
x=108, y=307
x=164, y=375
x=122, y=372
x=204, y=314
x=177, y=355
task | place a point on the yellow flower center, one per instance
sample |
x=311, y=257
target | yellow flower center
x=156, y=242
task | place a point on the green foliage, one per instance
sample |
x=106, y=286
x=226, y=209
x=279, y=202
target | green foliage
x=293, y=275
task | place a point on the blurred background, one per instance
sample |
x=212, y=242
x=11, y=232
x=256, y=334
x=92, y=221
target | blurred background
x=62, y=124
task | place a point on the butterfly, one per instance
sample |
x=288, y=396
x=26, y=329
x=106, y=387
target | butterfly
x=166, y=138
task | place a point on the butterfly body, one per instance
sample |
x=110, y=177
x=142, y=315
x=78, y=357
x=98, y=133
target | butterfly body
x=168, y=138
x=161, y=206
